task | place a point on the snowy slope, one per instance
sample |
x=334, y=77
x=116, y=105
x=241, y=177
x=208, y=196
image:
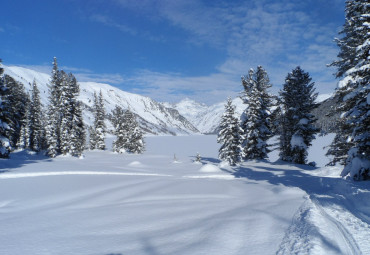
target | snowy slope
x=148, y=204
x=205, y=118
x=154, y=118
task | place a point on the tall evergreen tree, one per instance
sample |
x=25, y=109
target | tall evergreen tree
x=229, y=135
x=53, y=119
x=17, y=103
x=24, y=137
x=353, y=65
x=99, y=125
x=297, y=129
x=65, y=129
x=120, y=130
x=255, y=120
x=133, y=141
x=4, y=127
x=36, y=128
x=78, y=133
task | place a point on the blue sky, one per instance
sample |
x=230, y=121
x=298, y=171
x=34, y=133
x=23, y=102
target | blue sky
x=171, y=49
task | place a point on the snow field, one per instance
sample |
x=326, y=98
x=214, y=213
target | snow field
x=110, y=203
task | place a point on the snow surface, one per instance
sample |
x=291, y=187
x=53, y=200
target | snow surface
x=109, y=203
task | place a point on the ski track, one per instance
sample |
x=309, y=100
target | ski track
x=351, y=243
x=41, y=174
x=305, y=233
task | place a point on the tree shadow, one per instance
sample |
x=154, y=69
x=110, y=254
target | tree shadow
x=325, y=190
x=20, y=158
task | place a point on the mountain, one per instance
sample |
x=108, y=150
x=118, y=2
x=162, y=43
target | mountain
x=154, y=118
x=205, y=118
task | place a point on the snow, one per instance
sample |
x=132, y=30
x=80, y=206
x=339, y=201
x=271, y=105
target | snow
x=208, y=168
x=109, y=203
x=297, y=141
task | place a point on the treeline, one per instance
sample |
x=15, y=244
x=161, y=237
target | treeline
x=24, y=124
x=290, y=114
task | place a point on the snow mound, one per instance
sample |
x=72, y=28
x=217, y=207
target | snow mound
x=209, y=169
x=135, y=163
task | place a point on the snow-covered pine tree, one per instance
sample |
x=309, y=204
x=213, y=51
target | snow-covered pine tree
x=52, y=133
x=229, y=135
x=24, y=136
x=92, y=138
x=120, y=130
x=17, y=103
x=36, y=128
x=99, y=125
x=353, y=65
x=135, y=142
x=78, y=133
x=4, y=140
x=255, y=120
x=66, y=116
x=297, y=129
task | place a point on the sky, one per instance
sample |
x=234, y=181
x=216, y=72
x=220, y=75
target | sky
x=174, y=49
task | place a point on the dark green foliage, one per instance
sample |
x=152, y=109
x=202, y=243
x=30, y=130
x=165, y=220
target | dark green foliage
x=4, y=127
x=353, y=65
x=297, y=130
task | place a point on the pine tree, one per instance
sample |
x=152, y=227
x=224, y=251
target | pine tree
x=92, y=138
x=54, y=117
x=99, y=125
x=65, y=131
x=353, y=65
x=4, y=93
x=297, y=129
x=134, y=143
x=255, y=120
x=17, y=103
x=229, y=135
x=24, y=136
x=66, y=116
x=120, y=130
x=36, y=128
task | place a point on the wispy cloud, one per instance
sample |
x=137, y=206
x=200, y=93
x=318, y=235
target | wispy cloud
x=103, y=78
x=278, y=35
x=110, y=22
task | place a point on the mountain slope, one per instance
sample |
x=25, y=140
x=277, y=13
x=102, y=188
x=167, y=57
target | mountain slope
x=205, y=118
x=153, y=117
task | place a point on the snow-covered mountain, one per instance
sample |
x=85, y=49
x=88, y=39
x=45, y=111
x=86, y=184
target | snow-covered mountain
x=154, y=118
x=205, y=118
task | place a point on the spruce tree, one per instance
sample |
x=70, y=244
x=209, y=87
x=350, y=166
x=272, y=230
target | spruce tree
x=133, y=141
x=297, y=129
x=229, y=135
x=78, y=133
x=4, y=114
x=255, y=120
x=36, y=128
x=92, y=138
x=17, y=103
x=53, y=115
x=120, y=130
x=66, y=116
x=99, y=125
x=24, y=136
x=353, y=66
